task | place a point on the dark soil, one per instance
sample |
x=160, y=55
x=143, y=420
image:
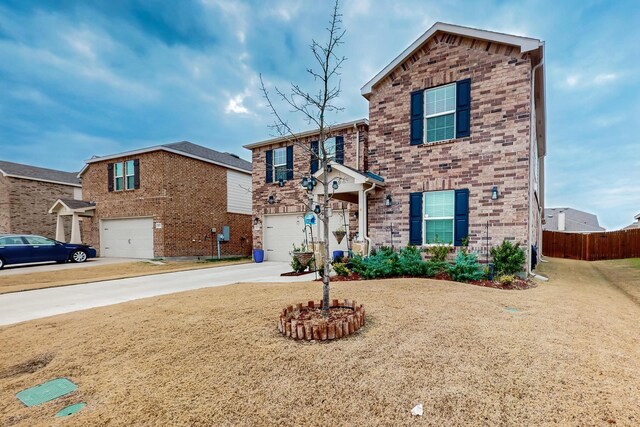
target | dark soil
x=315, y=314
x=518, y=284
x=296, y=273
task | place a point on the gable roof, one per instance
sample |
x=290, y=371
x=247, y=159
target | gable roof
x=574, y=220
x=306, y=133
x=184, y=148
x=525, y=44
x=18, y=170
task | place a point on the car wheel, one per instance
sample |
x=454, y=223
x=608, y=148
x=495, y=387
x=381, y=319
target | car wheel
x=78, y=256
x=1, y=263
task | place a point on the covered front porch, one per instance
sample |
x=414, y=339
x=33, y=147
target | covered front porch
x=75, y=209
x=351, y=186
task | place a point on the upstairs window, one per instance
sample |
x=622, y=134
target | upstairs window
x=330, y=148
x=440, y=113
x=439, y=212
x=118, y=176
x=123, y=175
x=131, y=174
x=280, y=164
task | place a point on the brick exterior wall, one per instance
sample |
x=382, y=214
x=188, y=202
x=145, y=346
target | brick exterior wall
x=496, y=154
x=187, y=196
x=292, y=198
x=25, y=204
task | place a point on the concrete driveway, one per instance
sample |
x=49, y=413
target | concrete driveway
x=28, y=305
x=13, y=269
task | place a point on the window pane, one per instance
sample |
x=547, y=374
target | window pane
x=37, y=240
x=131, y=182
x=439, y=231
x=439, y=204
x=330, y=148
x=281, y=173
x=440, y=99
x=443, y=127
x=280, y=156
x=118, y=169
x=130, y=169
x=119, y=183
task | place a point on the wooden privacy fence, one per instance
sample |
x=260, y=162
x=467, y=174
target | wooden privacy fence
x=592, y=246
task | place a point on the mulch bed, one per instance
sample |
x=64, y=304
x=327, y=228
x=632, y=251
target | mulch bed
x=295, y=273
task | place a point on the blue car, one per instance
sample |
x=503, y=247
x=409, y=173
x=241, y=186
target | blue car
x=26, y=248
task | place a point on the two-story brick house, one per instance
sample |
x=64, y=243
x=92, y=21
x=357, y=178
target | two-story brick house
x=165, y=201
x=454, y=148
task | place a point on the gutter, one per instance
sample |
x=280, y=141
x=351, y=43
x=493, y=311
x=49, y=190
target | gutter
x=355, y=127
x=533, y=138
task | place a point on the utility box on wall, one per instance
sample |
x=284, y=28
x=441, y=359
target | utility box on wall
x=224, y=236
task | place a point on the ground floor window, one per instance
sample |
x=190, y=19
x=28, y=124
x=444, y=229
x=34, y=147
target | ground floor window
x=438, y=211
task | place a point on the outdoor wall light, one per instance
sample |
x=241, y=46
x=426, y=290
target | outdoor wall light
x=310, y=186
x=317, y=209
x=334, y=185
x=305, y=182
x=494, y=193
x=329, y=168
x=271, y=200
x=256, y=221
x=280, y=183
x=387, y=200
x=313, y=181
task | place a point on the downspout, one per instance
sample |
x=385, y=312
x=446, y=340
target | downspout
x=366, y=226
x=532, y=139
x=355, y=127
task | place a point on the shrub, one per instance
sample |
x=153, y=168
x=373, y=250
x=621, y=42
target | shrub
x=410, y=262
x=298, y=267
x=341, y=269
x=433, y=268
x=506, y=279
x=508, y=258
x=466, y=268
x=439, y=252
x=380, y=264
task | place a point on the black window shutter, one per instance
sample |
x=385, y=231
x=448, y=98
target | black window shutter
x=314, y=156
x=340, y=150
x=415, y=219
x=461, y=218
x=269, y=166
x=110, y=176
x=290, y=163
x=136, y=174
x=417, y=117
x=463, y=108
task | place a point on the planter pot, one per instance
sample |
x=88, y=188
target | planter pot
x=258, y=255
x=303, y=257
x=339, y=235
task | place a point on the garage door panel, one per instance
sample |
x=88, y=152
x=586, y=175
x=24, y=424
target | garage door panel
x=127, y=238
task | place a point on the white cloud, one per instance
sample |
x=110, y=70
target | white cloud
x=605, y=78
x=236, y=104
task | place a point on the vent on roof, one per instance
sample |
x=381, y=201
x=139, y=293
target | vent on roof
x=233, y=155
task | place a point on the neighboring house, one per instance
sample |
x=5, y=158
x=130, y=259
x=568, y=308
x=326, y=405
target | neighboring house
x=634, y=224
x=27, y=193
x=165, y=201
x=455, y=142
x=570, y=220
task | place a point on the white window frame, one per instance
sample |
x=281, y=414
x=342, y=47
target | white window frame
x=444, y=113
x=426, y=218
x=116, y=176
x=275, y=165
x=127, y=174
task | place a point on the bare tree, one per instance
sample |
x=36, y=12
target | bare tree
x=314, y=106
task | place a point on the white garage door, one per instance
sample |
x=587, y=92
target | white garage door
x=281, y=232
x=126, y=238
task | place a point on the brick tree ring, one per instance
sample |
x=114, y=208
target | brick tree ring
x=305, y=322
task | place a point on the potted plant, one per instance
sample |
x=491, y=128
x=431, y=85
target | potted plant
x=339, y=234
x=302, y=254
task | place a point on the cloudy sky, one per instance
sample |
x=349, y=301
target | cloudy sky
x=82, y=78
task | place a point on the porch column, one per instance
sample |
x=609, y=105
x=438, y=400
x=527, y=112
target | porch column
x=75, y=229
x=60, y=229
x=362, y=216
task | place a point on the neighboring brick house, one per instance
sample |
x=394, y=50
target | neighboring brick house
x=570, y=220
x=457, y=136
x=164, y=201
x=27, y=193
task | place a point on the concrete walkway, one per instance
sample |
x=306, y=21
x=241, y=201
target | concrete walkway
x=28, y=305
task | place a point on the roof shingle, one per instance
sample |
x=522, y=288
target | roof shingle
x=34, y=172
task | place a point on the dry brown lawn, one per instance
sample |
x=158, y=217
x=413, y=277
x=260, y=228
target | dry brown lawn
x=213, y=357
x=65, y=277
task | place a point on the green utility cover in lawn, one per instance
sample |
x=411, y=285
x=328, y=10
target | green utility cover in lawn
x=46, y=391
x=70, y=410
x=512, y=309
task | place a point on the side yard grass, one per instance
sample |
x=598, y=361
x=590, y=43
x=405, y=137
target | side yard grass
x=50, y=279
x=564, y=353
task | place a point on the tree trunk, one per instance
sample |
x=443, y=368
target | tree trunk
x=325, y=223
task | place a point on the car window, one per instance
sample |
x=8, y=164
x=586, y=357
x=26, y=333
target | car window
x=37, y=240
x=5, y=241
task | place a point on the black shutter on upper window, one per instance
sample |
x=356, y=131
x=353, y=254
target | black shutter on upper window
x=269, y=166
x=417, y=117
x=340, y=150
x=136, y=174
x=110, y=176
x=463, y=108
x=314, y=156
x=290, y=163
